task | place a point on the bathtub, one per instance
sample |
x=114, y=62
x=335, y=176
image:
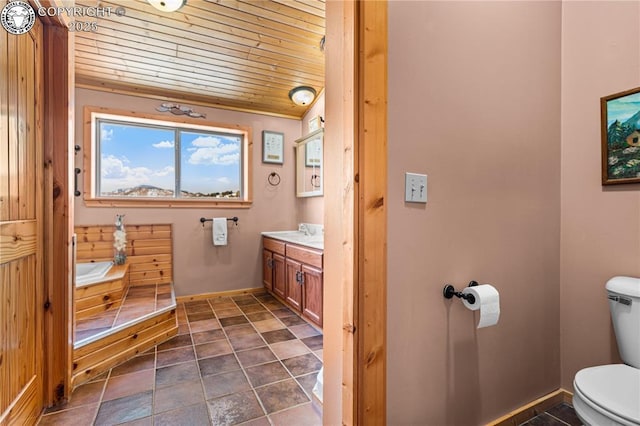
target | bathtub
x=89, y=272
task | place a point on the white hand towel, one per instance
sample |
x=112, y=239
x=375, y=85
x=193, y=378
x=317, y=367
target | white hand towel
x=219, y=230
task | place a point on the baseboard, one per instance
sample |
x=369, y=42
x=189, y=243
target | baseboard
x=533, y=408
x=203, y=296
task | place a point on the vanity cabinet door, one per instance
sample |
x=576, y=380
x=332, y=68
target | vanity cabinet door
x=267, y=269
x=279, y=285
x=293, y=294
x=312, y=291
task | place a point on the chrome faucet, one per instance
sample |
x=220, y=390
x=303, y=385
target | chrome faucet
x=303, y=228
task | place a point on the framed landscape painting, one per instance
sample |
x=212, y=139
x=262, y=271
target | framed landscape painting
x=620, y=114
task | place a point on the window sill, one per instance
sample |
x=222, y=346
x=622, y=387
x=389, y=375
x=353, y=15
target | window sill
x=167, y=203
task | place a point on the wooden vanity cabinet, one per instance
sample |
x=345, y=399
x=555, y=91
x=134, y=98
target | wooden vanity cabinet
x=295, y=277
x=273, y=266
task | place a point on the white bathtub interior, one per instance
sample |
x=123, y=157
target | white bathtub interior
x=90, y=272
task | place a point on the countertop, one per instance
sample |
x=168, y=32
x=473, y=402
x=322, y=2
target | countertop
x=297, y=237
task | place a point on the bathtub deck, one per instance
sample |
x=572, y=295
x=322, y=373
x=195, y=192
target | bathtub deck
x=139, y=301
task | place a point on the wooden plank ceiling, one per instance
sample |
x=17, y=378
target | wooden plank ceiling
x=237, y=54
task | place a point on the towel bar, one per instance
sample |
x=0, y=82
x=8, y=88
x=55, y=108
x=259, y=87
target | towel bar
x=234, y=219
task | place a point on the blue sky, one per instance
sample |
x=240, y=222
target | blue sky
x=622, y=108
x=138, y=155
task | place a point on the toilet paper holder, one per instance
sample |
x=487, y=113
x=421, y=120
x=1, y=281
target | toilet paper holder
x=449, y=291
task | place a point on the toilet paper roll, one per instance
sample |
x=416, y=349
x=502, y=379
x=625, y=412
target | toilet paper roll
x=487, y=300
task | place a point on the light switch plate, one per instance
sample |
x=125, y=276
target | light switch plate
x=415, y=188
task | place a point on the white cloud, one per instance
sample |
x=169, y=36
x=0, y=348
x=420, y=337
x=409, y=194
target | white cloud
x=211, y=150
x=224, y=180
x=163, y=144
x=164, y=172
x=116, y=174
x=106, y=135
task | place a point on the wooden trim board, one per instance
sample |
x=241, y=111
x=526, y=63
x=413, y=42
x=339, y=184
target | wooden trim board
x=532, y=409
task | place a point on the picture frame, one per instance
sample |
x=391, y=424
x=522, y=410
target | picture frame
x=313, y=152
x=272, y=147
x=620, y=127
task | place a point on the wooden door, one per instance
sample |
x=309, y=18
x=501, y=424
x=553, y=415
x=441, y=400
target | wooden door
x=267, y=269
x=312, y=294
x=279, y=278
x=21, y=227
x=293, y=293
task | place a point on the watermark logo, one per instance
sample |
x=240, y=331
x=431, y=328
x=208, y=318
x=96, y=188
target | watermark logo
x=17, y=17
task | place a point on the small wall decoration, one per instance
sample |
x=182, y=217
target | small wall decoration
x=272, y=147
x=620, y=114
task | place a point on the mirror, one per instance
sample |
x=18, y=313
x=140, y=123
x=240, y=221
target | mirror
x=309, y=164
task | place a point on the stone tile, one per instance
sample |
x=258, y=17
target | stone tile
x=221, y=300
x=219, y=347
x=76, y=416
x=197, y=306
x=259, y=316
x=234, y=409
x=244, y=300
x=265, y=297
x=247, y=309
x=304, y=330
x=292, y=320
x=218, y=364
x=281, y=395
x=303, y=414
x=307, y=382
x=303, y=364
x=183, y=329
x=231, y=321
x=175, y=374
x=192, y=415
x=566, y=413
x=145, y=421
x=172, y=397
x=314, y=343
x=89, y=393
x=129, y=384
x=255, y=356
x=240, y=330
x=125, y=409
x=274, y=305
x=228, y=312
x=175, y=356
x=289, y=349
x=225, y=384
x=268, y=325
x=246, y=341
x=176, y=342
x=200, y=316
x=261, y=421
x=544, y=420
x=319, y=354
x=207, y=336
x=276, y=336
x=205, y=325
x=266, y=373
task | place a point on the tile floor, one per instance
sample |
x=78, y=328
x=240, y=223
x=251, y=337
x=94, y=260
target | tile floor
x=236, y=360
x=138, y=302
x=560, y=415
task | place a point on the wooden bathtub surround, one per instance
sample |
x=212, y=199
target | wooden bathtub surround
x=149, y=250
x=105, y=294
x=149, y=262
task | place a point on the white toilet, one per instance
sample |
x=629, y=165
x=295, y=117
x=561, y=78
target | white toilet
x=610, y=394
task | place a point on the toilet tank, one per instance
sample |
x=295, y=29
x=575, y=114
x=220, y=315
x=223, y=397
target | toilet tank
x=624, y=304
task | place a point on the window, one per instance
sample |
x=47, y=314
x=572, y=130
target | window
x=141, y=159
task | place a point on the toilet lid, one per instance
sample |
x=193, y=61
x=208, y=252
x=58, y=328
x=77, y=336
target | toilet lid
x=614, y=388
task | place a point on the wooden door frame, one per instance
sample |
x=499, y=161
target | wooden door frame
x=58, y=119
x=355, y=212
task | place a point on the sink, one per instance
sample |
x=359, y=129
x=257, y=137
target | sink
x=315, y=241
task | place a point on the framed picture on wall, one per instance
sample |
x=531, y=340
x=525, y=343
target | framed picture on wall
x=620, y=126
x=272, y=147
